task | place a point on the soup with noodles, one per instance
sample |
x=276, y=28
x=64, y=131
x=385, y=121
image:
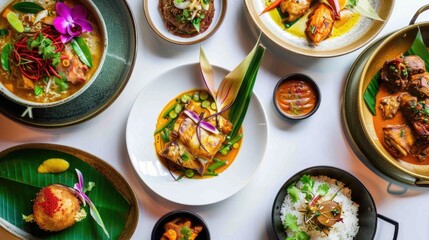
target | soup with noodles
x=49, y=49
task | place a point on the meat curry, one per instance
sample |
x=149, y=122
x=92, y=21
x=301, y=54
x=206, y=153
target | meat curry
x=403, y=100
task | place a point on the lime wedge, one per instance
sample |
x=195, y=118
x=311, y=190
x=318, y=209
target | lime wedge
x=14, y=21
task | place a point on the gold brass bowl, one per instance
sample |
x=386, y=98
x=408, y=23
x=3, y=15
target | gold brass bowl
x=359, y=124
x=330, y=47
x=393, y=46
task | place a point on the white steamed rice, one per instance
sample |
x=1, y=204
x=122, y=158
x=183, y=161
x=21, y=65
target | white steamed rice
x=340, y=230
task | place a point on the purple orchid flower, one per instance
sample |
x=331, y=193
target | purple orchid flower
x=71, y=22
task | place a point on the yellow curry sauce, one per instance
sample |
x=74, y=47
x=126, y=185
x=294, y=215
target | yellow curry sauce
x=399, y=119
x=342, y=26
x=159, y=143
x=93, y=39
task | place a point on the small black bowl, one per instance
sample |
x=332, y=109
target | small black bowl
x=158, y=229
x=367, y=212
x=306, y=79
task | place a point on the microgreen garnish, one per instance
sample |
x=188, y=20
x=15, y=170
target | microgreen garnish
x=80, y=191
x=186, y=232
x=290, y=222
x=294, y=193
x=45, y=48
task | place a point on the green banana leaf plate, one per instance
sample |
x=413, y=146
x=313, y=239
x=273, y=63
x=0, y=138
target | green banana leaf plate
x=20, y=182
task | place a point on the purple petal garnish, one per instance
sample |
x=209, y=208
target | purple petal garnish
x=209, y=127
x=80, y=180
x=79, y=12
x=85, y=25
x=206, y=125
x=61, y=25
x=199, y=138
x=71, y=22
x=64, y=11
x=65, y=38
x=74, y=30
x=78, y=189
x=192, y=115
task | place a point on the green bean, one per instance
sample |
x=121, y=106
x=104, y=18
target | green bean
x=207, y=173
x=185, y=98
x=204, y=95
x=168, y=111
x=165, y=135
x=189, y=173
x=215, y=166
x=158, y=130
x=178, y=108
x=172, y=114
x=225, y=149
x=205, y=104
x=196, y=97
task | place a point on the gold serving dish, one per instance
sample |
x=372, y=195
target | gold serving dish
x=359, y=124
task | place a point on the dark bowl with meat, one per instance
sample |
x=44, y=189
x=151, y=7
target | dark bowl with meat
x=396, y=132
x=184, y=223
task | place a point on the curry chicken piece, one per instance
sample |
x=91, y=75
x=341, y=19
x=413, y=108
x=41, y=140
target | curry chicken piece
x=398, y=73
x=72, y=67
x=389, y=106
x=398, y=139
x=320, y=23
x=418, y=85
x=417, y=114
x=295, y=8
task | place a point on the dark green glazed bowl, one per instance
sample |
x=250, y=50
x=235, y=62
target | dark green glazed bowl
x=111, y=80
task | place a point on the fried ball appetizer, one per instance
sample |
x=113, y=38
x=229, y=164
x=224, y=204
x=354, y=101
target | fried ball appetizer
x=56, y=208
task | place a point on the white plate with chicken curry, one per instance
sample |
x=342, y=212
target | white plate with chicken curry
x=322, y=28
x=195, y=185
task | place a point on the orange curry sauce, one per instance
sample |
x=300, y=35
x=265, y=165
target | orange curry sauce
x=399, y=119
x=296, y=98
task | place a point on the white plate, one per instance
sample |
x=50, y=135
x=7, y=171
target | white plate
x=141, y=148
x=154, y=19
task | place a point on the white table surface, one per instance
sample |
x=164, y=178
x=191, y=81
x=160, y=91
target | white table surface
x=319, y=140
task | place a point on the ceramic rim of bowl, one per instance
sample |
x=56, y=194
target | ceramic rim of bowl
x=100, y=21
x=404, y=32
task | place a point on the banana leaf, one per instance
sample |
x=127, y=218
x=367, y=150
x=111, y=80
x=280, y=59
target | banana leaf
x=417, y=48
x=20, y=182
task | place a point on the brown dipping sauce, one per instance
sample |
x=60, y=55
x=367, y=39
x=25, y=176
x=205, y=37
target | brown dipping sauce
x=296, y=97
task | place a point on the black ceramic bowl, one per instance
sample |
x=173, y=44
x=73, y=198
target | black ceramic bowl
x=158, y=229
x=367, y=213
x=304, y=80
